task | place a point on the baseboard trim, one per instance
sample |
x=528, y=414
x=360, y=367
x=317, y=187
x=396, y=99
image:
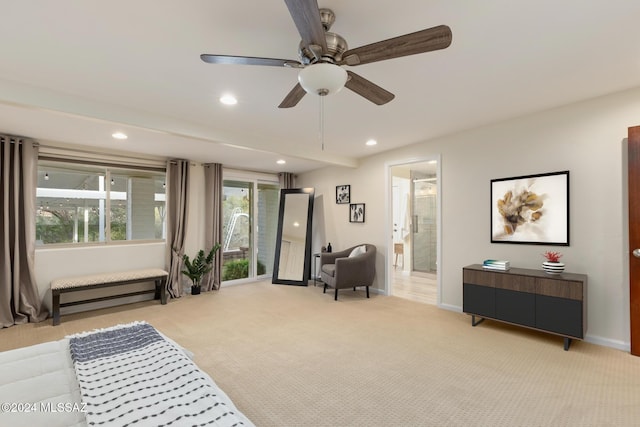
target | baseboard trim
x=450, y=307
x=607, y=342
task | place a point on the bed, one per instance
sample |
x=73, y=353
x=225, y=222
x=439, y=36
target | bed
x=125, y=375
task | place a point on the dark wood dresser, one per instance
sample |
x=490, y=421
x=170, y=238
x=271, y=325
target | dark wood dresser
x=531, y=298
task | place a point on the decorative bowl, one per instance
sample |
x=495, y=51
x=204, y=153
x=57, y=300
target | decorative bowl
x=553, y=267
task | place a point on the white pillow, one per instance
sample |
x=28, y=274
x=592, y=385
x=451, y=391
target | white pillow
x=358, y=250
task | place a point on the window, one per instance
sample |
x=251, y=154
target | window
x=84, y=203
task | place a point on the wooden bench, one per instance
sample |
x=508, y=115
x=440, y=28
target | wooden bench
x=95, y=281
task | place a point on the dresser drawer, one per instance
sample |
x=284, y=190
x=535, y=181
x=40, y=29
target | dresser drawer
x=478, y=300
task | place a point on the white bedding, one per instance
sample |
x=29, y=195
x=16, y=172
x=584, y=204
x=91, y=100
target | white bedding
x=35, y=379
x=38, y=387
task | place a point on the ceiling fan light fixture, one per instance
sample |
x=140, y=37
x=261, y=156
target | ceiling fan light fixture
x=322, y=79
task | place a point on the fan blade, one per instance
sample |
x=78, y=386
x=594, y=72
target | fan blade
x=368, y=89
x=293, y=97
x=306, y=16
x=410, y=44
x=249, y=60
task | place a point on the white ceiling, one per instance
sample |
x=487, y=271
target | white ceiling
x=73, y=71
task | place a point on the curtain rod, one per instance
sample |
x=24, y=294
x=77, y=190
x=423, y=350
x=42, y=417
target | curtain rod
x=18, y=139
x=100, y=163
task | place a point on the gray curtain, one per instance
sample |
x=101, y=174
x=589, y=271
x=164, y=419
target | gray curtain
x=177, y=208
x=287, y=180
x=19, y=298
x=213, y=222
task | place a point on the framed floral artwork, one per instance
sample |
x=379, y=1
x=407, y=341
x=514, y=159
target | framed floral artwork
x=531, y=209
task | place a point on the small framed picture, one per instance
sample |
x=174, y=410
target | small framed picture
x=356, y=212
x=343, y=194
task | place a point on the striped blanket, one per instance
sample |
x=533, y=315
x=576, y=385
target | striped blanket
x=130, y=375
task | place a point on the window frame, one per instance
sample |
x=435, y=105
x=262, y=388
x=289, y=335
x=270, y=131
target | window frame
x=107, y=168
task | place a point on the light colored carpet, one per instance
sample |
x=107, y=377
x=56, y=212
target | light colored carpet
x=291, y=356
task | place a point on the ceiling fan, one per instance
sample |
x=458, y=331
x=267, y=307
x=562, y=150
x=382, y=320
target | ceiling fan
x=322, y=53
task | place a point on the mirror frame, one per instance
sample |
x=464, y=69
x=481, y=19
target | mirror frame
x=307, y=251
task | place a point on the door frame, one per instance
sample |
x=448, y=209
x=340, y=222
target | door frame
x=633, y=152
x=254, y=179
x=388, y=288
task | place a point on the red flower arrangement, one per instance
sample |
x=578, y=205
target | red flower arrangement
x=552, y=256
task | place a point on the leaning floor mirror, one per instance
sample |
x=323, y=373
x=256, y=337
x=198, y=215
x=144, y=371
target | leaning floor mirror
x=292, y=261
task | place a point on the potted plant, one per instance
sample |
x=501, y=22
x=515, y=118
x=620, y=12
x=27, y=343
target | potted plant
x=196, y=269
x=552, y=265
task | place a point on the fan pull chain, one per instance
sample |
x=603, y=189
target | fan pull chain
x=321, y=121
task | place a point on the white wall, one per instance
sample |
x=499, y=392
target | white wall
x=587, y=138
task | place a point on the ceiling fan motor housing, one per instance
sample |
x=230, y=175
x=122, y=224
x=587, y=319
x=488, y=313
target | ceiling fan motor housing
x=336, y=46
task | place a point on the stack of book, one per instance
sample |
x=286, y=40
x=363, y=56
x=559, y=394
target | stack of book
x=495, y=264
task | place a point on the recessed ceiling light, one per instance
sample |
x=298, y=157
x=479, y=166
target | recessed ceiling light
x=228, y=99
x=281, y=162
x=119, y=135
x=372, y=142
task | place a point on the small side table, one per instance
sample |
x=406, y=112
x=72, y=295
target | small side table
x=398, y=249
x=316, y=258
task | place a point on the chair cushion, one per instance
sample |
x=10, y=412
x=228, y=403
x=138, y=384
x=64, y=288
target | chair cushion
x=358, y=250
x=329, y=269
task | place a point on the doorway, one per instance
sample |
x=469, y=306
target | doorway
x=249, y=227
x=414, y=200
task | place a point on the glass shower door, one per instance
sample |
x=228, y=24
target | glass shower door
x=424, y=236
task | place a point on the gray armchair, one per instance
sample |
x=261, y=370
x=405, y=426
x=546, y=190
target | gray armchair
x=339, y=271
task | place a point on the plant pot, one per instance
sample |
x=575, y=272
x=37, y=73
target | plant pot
x=195, y=290
x=553, y=267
